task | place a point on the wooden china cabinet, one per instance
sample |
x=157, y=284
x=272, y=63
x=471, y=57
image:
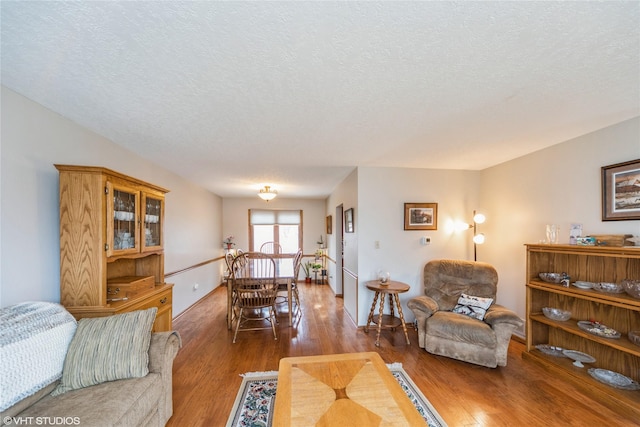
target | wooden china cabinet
x=619, y=311
x=111, y=245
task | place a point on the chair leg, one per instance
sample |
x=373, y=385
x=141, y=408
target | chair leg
x=237, y=325
x=297, y=296
x=275, y=311
x=273, y=320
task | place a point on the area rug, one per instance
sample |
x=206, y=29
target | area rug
x=254, y=402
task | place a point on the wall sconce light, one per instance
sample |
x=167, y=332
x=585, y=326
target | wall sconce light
x=267, y=193
x=478, y=238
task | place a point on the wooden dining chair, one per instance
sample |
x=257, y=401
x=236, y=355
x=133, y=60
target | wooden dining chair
x=228, y=258
x=297, y=262
x=234, y=262
x=271, y=248
x=255, y=289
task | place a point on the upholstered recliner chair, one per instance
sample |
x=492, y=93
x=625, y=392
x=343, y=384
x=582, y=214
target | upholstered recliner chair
x=443, y=330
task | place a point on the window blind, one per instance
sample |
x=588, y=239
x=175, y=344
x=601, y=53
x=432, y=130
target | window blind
x=279, y=217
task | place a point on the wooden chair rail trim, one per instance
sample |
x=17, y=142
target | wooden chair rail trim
x=209, y=261
x=350, y=273
x=194, y=266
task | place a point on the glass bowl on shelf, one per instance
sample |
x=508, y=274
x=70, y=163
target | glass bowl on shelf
x=556, y=314
x=552, y=277
x=611, y=288
x=632, y=287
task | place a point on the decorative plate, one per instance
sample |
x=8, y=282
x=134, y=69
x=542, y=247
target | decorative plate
x=579, y=357
x=598, y=329
x=551, y=350
x=614, y=379
x=583, y=285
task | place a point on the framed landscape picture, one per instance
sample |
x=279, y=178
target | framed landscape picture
x=420, y=216
x=621, y=191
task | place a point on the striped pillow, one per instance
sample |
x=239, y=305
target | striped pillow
x=108, y=349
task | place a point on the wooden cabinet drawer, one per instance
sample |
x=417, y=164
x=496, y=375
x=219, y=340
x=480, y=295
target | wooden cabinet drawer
x=163, y=301
x=160, y=300
x=161, y=297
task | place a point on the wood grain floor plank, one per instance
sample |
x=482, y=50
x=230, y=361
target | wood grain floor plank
x=207, y=370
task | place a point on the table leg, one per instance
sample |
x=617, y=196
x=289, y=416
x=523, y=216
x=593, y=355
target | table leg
x=393, y=314
x=404, y=327
x=380, y=320
x=373, y=307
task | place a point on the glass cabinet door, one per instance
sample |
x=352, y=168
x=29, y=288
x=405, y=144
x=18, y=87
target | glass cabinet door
x=122, y=220
x=153, y=208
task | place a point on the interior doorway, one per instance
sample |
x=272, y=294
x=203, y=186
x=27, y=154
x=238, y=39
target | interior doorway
x=339, y=250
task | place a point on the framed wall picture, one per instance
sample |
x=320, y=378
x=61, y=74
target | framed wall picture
x=329, y=224
x=621, y=191
x=348, y=221
x=420, y=216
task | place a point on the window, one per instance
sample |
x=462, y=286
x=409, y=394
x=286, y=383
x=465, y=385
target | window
x=281, y=226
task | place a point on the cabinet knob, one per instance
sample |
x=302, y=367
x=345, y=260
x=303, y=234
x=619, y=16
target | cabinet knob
x=163, y=300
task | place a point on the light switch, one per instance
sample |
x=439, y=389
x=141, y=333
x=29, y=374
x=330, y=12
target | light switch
x=425, y=240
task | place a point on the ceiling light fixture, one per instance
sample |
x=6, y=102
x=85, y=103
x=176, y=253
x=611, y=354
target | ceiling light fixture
x=267, y=193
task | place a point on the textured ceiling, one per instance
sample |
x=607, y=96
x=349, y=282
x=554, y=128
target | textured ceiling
x=234, y=95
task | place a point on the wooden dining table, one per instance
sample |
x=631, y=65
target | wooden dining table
x=284, y=274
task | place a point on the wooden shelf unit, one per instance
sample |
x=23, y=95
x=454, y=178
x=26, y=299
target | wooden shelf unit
x=111, y=225
x=618, y=311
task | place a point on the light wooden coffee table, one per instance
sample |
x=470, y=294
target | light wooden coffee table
x=354, y=389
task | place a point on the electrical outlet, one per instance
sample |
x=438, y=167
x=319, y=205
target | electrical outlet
x=377, y=244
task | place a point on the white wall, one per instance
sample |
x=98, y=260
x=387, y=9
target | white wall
x=382, y=193
x=345, y=194
x=33, y=140
x=235, y=214
x=192, y=235
x=560, y=185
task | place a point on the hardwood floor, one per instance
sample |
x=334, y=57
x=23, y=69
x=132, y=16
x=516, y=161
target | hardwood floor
x=207, y=369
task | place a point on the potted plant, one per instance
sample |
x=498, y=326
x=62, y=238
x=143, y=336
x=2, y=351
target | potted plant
x=316, y=268
x=306, y=267
x=228, y=243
